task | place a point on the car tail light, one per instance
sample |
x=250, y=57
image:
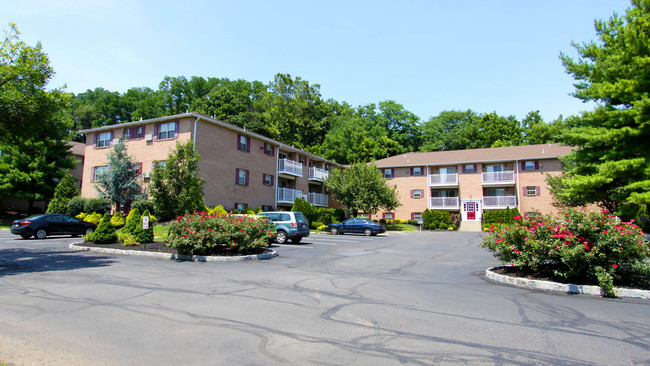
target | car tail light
x=293, y=224
x=25, y=223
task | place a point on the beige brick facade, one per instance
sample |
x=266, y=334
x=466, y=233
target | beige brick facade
x=241, y=168
x=468, y=182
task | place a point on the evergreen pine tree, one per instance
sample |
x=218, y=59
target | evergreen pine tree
x=105, y=233
x=65, y=190
x=132, y=221
x=140, y=234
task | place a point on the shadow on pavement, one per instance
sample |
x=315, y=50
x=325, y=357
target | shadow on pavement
x=18, y=261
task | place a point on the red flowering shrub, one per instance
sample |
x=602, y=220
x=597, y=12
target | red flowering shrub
x=577, y=246
x=203, y=234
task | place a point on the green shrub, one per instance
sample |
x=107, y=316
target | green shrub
x=452, y=227
x=96, y=205
x=64, y=192
x=315, y=225
x=118, y=219
x=141, y=235
x=217, y=210
x=95, y=218
x=412, y=222
x=203, y=234
x=321, y=228
x=81, y=216
x=142, y=204
x=132, y=220
x=105, y=233
x=76, y=205
x=578, y=246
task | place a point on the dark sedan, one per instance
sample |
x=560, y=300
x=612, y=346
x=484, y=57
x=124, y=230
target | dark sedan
x=41, y=226
x=356, y=225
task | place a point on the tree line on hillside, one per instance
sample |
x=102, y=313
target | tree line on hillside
x=293, y=111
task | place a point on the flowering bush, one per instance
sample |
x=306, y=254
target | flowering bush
x=204, y=234
x=577, y=246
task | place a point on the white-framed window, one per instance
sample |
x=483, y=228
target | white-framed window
x=417, y=193
x=364, y=215
x=166, y=130
x=416, y=171
x=268, y=149
x=241, y=177
x=417, y=215
x=97, y=171
x=267, y=179
x=388, y=173
x=104, y=139
x=531, y=191
x=388, y=215
x=469, y=168
x=243, y=143
x=530, y=165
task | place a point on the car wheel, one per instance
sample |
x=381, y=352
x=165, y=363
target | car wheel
x=334, y=230
x=88, y=231
x=26, y=236
x=40, y=234
x=281, y=237
x=367, y=231
x=296, y=240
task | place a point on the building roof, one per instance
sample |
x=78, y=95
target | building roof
x=77, y=148
x=485, y=155
x=200, y=116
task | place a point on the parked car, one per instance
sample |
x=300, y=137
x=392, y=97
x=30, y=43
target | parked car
x=41, y=226
x=289, y=225
x=356, y=225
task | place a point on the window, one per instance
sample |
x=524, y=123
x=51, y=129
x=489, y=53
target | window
x=364, y=215
x=267, y=208
x=492, y=192
x=243, y=143
x=416, y=171
x=416, y=215
x=267, y=179
x=104, y=139
x=494, y=168
x=167, y=130
x=241, y=206
x=241, y=177
x=301, y=159
x=388, y=173
x=531, y=191
x=416, y=193
x=97, y=171
x=388, y=215
x=530, y=165
x=469, y=168
x=134, y=133
x=268, y=149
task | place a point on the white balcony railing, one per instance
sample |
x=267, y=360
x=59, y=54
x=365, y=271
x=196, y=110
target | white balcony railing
x=443, y=203
x=507, y=177
x=287, y=166
x=318, y=174
x=318, y=199
x=499, y=201
x=443, y=179
x=288, y=195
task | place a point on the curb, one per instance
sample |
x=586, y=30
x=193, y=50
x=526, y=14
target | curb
x=182, y=257
x=562, y=287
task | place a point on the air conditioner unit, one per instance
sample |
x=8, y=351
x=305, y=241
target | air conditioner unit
x=146, y=174
x=148, y=137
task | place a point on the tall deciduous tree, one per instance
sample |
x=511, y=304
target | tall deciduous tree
x=175, y=187
x=611, y=163
x=362, y=188
x=33, y=126
x=119, y=184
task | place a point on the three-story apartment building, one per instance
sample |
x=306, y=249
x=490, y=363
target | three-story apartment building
x=241, y=168
x=468, y=182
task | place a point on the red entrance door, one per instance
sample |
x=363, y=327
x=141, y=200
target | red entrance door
x=471, y=211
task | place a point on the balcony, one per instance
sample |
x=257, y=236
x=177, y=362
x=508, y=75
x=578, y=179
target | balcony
x=318, y=174
x=443, y=203
x=499, y=178
x=318, y=199
x=443, y=180
x=288, y=195
x=290, y=167
x=499, y=202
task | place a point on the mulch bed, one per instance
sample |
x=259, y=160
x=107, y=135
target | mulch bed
x=159, y=247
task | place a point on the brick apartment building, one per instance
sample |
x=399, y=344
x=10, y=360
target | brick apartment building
x=241, y=168
x=468, y=182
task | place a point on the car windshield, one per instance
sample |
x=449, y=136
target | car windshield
x=300, y=216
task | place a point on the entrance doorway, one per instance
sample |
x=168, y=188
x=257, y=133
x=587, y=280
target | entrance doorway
x=471, y=210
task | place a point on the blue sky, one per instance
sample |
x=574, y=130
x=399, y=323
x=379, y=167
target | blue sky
x=430, y=56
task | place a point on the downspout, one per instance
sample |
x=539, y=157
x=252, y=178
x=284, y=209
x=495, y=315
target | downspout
x=428, y=189
x=517, y=186
x=194, y=135
x=277, y=177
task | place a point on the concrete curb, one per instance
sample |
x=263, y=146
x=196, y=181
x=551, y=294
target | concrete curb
x=170, y=256
x=562, y=287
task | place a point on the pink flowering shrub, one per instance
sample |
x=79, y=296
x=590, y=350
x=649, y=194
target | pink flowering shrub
x=204, y=234
x=576, y=246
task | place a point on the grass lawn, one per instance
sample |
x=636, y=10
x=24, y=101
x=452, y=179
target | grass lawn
x=401, y=227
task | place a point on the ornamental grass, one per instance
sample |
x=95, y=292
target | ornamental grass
x=576, y=246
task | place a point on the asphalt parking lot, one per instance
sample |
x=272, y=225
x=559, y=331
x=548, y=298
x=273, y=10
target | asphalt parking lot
x=399, y=298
